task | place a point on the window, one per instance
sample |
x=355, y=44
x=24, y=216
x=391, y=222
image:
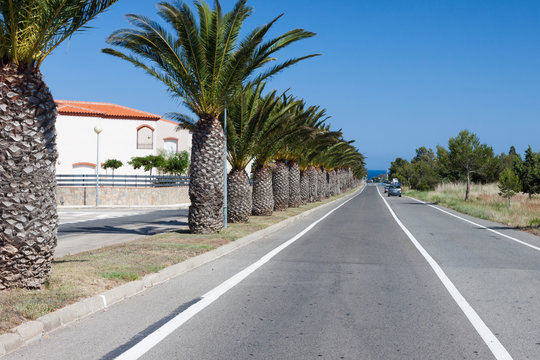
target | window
x=145, y=137
x=170, y=144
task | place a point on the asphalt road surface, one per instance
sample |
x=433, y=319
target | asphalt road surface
x=355, y=286
x=82, y=230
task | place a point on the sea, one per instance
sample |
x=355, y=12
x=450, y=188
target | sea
x=372, y=173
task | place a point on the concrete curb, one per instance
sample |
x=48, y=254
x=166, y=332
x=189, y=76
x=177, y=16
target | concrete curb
x=33, y=330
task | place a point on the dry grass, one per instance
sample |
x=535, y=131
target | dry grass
x=486, y=203
x=83, y=275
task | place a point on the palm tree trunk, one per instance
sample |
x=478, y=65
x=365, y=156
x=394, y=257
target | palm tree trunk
x=263, y=200
x=206, y=177
x=326, y=184
x=312, y=176
x=238, y=196
x=333, y=183
x=320, y=184
x=280, y=183
x=295, y=198
x=304, y=187
x=29, y=222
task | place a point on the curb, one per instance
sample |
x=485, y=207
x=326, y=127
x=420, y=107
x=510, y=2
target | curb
x=31, y=331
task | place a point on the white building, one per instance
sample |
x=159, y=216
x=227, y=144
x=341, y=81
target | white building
x=126, y=133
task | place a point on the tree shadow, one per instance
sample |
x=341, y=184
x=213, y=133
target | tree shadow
x=69, y=261
x=113, y=354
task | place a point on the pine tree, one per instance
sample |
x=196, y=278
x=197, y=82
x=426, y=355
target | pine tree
x=509, y=184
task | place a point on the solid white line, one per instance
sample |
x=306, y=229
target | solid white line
x=475, y=224
x=489, y=338
x=157, y=336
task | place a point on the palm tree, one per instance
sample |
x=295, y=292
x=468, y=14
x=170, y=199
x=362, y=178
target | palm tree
x=281, y=120
x=247, y=125
x=29, y=31
x=203, y=63
x=287, y=185
x=311, y=158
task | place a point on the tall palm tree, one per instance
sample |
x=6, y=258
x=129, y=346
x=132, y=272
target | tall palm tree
x=202, y=62
x=287, y=185
x=29, y=31
x=247, y=126
x=311, y=159
x=281, y=119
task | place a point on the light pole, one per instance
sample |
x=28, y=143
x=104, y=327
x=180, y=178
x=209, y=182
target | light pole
x=97, y=130
x=225, y=171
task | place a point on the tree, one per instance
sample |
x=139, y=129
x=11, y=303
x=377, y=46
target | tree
x=30, y=30
x=467, y=156
x=509, y=184
x=203, y=63
x=112, y=164
x=278, y=121
x=248, y=123
x=422, y=171
x=174, y=163
x=529, y=172
x=147, y=162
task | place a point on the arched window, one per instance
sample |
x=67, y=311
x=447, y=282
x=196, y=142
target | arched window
x=145, y=137
x=170, y=144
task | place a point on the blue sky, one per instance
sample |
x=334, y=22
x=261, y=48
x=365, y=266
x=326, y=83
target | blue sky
x=394, y=75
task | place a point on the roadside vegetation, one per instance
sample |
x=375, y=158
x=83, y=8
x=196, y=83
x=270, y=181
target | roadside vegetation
x=83, y=275
x=486, y=203
x=467, y=176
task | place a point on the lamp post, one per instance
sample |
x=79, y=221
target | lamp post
x=225, y=171
x=97, y=130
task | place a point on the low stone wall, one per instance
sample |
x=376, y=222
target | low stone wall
x=122, y=196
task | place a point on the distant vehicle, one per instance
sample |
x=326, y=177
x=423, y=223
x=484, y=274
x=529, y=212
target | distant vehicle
x=394, y=190
x=386, y=187
x=395, y=181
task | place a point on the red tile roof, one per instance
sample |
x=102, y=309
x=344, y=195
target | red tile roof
x=102, y=110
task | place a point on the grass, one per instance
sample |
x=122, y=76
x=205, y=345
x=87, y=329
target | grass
x=86, y=274
x=485, y=203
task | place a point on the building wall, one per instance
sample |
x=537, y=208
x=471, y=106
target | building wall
x=167, y=129
x=76, y=142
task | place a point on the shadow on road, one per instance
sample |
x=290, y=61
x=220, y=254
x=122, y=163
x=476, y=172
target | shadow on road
x=141, y=335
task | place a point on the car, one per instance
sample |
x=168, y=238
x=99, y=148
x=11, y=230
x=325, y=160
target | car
x=386, y=186
x=394, y=190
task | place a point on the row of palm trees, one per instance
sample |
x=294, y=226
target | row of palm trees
x=202, y=62
x=292, y=150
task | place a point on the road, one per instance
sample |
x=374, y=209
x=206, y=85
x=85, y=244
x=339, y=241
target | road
x=355, y=286
x=82, y=230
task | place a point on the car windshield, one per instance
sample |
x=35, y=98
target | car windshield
x=396, y=186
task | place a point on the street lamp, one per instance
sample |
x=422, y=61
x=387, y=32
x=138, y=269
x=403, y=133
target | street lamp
x=97, y=130
x=225, y=172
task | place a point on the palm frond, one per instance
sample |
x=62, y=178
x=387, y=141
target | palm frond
x=32, y=29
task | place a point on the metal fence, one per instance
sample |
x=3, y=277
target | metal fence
x=123, y=180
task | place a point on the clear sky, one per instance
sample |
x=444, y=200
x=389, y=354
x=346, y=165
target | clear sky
x=394, y=75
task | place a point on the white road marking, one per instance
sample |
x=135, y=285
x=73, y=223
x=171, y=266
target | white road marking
x=157, y=336
x=475, y=224
x=498, y=350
